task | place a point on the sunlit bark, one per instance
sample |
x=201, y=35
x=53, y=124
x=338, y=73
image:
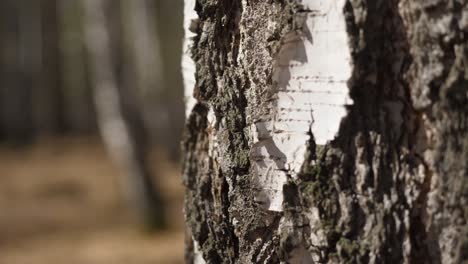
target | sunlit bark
x=326, y=131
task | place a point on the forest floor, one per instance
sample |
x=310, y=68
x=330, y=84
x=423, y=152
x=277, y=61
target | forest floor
x=59, y=203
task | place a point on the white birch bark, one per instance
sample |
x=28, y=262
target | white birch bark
x=311, y=71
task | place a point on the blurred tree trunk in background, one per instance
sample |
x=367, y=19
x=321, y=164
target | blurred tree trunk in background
x=327, y=131
x=142, y=59
x=77, y=92
x=170, y=100
x=118, y=114
x=48, y=103
x=3, y=65
x=20, y=34
x=143, y=42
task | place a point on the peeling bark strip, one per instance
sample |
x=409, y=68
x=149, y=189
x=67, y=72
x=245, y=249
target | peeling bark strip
x=326, y=131
x=308, y=93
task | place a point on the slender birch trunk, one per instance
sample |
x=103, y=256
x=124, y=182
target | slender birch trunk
x=143, y=48
x=118, y=129
x=326, y=131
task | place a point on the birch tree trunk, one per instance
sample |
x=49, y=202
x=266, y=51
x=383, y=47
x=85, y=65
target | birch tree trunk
x=326, y=131
x=118, y=118
x=142, y=53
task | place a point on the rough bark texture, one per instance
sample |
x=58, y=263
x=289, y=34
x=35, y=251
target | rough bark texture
x=389, y=188
x=438, y=35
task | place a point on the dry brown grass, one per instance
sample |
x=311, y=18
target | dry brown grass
x=59, y=203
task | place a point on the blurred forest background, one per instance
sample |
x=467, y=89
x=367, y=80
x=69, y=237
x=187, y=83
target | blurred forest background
x=91, y=99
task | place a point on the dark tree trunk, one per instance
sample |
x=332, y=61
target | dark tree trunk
x=50, y=114
x=75, y=79
x=304, y=148
x=20, y=66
